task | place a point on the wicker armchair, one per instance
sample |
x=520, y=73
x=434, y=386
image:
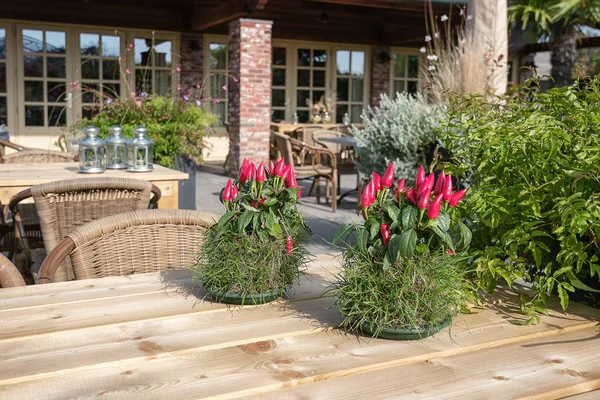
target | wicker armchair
x=297, y=153
x=9, y=274
x=133, y=242
x=345, y=157
x=32, y=156
x=64, y=205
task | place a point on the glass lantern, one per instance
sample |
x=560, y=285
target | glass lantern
x=92, y=152
x=140, y=151
x=116, y=149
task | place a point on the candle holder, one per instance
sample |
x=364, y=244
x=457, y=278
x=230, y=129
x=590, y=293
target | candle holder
x=116, y=149
x=92, y=152
x=140, y=151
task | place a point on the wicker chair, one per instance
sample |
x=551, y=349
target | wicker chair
x=64, y=205
x=133, y=242
x=33, y=156
x=9, y=274
x=296, y=152
x=345, y=158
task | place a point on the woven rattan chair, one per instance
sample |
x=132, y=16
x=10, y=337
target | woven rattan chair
x=9, y=274
x=344, y=157
x=130, y=243
x=64, y=205
x=296, y=152
x=33, y=156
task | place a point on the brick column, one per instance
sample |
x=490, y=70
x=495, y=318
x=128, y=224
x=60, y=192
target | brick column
x=380, y=73
x=249, y=90
x=191, y=50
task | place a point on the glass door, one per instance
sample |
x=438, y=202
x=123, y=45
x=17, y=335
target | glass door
x=45, y=78
x=351, y=96
x=311, y=80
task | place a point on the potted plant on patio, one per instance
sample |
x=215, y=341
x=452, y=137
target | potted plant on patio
x=403, y=278
x=257, y=249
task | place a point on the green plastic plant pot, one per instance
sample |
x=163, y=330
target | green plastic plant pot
x=245, y=298
x=367, y=328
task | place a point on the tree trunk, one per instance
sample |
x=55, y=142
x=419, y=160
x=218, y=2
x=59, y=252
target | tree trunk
x=564, y=53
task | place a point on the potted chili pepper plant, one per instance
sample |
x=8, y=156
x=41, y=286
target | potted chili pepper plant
x=404, y=275
x=257, y=249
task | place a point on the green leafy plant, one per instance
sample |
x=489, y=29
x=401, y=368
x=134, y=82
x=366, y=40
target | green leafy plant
x=258, y=245
x=175, y=125
x=532, y=161
x=399, y=131
x=406, y=267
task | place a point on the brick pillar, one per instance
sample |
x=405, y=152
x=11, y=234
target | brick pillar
x=249, y=90
x=192, y=57
x=380, y=73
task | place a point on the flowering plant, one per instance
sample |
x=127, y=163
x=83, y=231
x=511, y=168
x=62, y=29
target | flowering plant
x=258, y=244
x=404, y=269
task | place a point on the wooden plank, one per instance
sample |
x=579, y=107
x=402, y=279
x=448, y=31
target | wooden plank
x=226, y=12
x=248, y=368
x=547, y=368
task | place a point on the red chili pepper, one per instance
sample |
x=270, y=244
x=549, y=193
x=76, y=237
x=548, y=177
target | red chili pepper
x=262, y=200
x=447, y=188
x=245, y=175
x=243, y=166
x=234, y=193
x=424, y=196
x=387, y=180
x=420, y=177
x=439, y=186
x=376, y=182
x=279, y=167
x=271, y=168
x=456, y=197
x=260, y=173
x=289, y=245
x=252, y=173
x=450, y=252
x=290, y=179
x=286, y=172
x=410, y=195
x=299, y=191
x=227, y=191
x=429, y=181
x=366, y=196
x=436, y=205
x=401, y=185
x=385, y=234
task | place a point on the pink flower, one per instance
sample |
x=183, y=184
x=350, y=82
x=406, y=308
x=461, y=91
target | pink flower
x=132, y=94
x=198, y=103
x=127, y=71
x=75, y=85
x=235, y=79
x=224, y=87
x=138, y=103
x=178, y=68
x=215, y=101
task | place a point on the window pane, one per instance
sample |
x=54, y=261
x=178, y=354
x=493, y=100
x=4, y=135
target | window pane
x=342, y=89
x=56, y=42
x=398, y=87
x=162, y=53
x=89, y=93
x=33, y=41
x=2, y=43
x=304, y=57
x=221, y=110
x=2, y=77
x=358, y=63
x=411, y=87
x=320, y=58
x=302, y=116
x=357, y=90
x=163, y=82
x=303, y=77
x=56, y=67
x=278, y=97
x=318, y=78
x=32, y=66
x=111, y=90
x=90, y=68
x=399, y=68
x=277, y=115
x=342, y=60
x=302, y=97
x=110, y=69
x=143, y=81
x=34, y=115
x=57, y=116
x=55, y=91
x=279, y=56
x=413, y=66
x=218, y=56
x=3, y=113
x=340, y=110
x=142, y=51
x=89, y=44
x=217, y=81
x=355, y=113
x=318, y=95
x=278, y=77
x=34, y=91
x=111, y=46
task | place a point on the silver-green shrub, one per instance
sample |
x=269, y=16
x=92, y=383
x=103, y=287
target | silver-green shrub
x=399, y=130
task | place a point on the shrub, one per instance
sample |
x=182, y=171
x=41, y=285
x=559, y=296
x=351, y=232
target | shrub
x=532, y=161
x=175, y=126
x=400, y=131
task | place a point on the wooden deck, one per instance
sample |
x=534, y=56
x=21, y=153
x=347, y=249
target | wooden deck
x=150, y=337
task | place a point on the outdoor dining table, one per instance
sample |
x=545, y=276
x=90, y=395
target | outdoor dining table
x=152, y=336
x=17, y=177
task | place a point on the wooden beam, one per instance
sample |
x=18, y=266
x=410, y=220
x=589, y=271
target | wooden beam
x=258, y=4
x=224, y=13
x=387, y=4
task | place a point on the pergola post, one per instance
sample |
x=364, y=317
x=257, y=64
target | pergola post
x=249, y=90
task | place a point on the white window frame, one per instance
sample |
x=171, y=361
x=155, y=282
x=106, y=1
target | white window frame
x=405, y=52
x=366, y=81
x=217, y=39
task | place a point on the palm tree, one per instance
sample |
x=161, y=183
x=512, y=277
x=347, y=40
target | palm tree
x=559, y=21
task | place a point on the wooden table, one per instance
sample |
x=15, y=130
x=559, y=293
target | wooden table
x=17, y=177
x=145, y=337
x=285, y=127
